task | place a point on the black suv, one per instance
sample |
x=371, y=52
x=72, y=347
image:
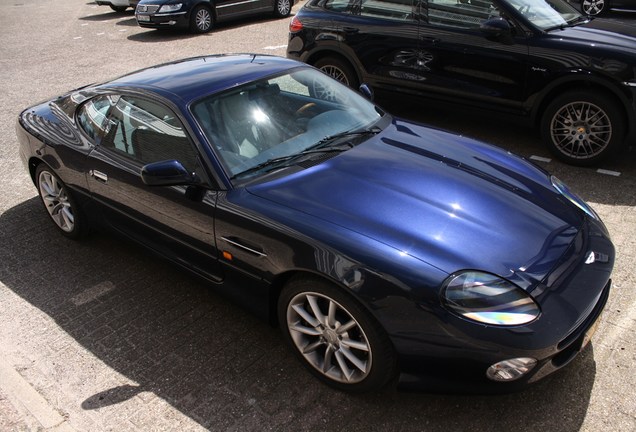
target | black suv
x=573, y=76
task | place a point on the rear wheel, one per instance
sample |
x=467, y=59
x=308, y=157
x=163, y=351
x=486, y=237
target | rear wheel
x=594, y=7
x=201, y=20
x=334, y=337
x=59, y=203
x=583, y=128
x=339, y=70
x=282, y=8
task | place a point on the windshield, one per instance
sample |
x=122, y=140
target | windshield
x=547, y=14
x=274, y=119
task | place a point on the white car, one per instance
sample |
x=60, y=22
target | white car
x=116, y=5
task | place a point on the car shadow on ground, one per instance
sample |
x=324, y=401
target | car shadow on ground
x=172, y=34
x=215, y=363
x=106, y=16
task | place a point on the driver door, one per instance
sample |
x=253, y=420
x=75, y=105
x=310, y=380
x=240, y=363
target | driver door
x=175, y=221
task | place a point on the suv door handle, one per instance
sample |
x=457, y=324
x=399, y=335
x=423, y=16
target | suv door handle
x=100, y=176
x=350, y=29
x=429, y=39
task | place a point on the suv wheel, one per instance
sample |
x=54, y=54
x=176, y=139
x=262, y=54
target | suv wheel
x=594, y=7
x=339, y=70
x=201, y=20
x=583, y=127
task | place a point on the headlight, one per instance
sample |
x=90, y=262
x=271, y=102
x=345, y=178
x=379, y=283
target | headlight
x=489, y=299
x=573, y=198
x=171, y=7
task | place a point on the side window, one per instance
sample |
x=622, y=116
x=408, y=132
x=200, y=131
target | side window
x=397, y=10
x=466, y=14
x=147, y=132
x=91, y=117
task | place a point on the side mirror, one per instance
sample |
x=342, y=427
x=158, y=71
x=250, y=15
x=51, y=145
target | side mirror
x=166, y=173
x=497, y=29
x=367, y=92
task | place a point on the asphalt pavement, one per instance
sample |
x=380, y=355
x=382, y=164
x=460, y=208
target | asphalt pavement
x=100, y=336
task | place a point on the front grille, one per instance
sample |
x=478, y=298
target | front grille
x=148, y=8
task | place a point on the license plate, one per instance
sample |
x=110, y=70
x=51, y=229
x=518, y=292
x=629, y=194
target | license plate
x=143, y=18
x=590, y=332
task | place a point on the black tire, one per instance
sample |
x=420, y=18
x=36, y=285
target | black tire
x=201, y=19
x=119, y=9
x=60, y=204
x=339, y=70
x=282, y=8
x=583, y=127
x=594, y=7
x=349, y=351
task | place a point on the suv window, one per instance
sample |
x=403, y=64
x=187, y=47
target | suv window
x=460, y=13
x=147, y=132
x=339, y=5
x=399, y=10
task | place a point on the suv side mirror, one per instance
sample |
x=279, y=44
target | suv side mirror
x=497, y=29
x=166, y=173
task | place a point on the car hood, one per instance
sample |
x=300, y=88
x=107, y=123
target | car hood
x=446, y=200
x=602, y=33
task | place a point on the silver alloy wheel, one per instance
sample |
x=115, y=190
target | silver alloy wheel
x=203, y=19
x=56, y=201
x=283, y=7
x=592, y=7
x=336, y=73
x=581, y=130
x=329, y=338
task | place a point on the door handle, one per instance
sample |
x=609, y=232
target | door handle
x=97, y=175
x=429, y=39
x=351, y=29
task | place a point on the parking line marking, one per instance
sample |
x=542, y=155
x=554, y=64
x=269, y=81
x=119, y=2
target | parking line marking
x=99, y=34
x=77, y=37
x=608, y=172
x=541, y=158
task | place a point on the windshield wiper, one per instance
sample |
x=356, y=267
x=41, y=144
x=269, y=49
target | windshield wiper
x=321, y=146
x=278, y=162
x=578, y=20
x=330, y=139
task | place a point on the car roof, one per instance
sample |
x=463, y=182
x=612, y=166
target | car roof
x=189, y=79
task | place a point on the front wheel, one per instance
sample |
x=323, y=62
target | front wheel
x=59, y=203
x=282, y=8
x=201, y=20
x=594, y=7
x=339, y=70
x=583, y=128
x=334, y=337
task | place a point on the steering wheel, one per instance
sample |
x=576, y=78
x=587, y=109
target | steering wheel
x=300, y=111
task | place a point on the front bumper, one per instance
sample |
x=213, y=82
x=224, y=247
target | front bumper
x=162, y=20
x=454, y=354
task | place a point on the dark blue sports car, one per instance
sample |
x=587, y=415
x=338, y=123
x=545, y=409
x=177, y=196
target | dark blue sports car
x=379, y=246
